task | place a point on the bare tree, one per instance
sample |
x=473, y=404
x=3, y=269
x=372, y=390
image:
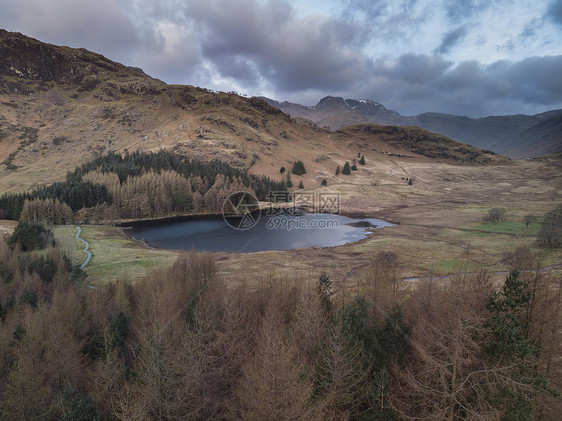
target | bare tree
x=529, y=219
x=340, y=376
x=495, y=215
x=272, y=385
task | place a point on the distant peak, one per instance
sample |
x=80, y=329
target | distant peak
x=331, y=101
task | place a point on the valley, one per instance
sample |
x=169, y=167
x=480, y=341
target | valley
x=439, y=229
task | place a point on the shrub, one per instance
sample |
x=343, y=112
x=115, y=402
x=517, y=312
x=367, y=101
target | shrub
x=324, y=182
x=282, y=170
x=338, y=170
x=354, y=167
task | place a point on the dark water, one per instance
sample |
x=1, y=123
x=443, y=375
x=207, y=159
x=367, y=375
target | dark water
x=269, y=233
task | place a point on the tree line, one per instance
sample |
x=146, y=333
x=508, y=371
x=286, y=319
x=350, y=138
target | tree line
x=133, y=186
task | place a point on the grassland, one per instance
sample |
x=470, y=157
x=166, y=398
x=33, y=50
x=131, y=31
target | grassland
x=439, y=229
x=114, y=255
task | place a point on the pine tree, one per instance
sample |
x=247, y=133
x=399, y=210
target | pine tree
x=346, y=169
x=354, y=167
x=301, y=185
x=338, y=170
x=298, y=168
x=362, y=160
x=289, y=182
x=509, y=344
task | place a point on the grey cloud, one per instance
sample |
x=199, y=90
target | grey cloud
x=414, y=68
x=530, y=30
x=389, y=21
x=469, y=88
x=371, y=9
x=462, y=9
x=292, y=53
x=554, y=12
x=100, y=25
x=450, y=39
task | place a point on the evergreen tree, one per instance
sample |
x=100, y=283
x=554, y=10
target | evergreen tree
x=338, y=170
x=508, y=323
x=75, y=406
x=30, y=236
x=298, y=168
x=362, y=160
x=346, y=169
x=354, y=167
x=301, y=185
x=324, y=182
x=289, y=182
x=509, y=344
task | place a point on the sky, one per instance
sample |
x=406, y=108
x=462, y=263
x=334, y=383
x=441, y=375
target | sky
x=464, y=57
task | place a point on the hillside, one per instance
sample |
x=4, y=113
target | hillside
x=543, y=138
x=510, y=135
x=61, y=107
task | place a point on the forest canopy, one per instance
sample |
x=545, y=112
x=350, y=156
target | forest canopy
x=136, y=185
x=182, y=344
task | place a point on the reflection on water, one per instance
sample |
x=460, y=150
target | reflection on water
x=270, y=233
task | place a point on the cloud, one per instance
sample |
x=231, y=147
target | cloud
x=245, y=40
x=450, y=39
x=102, y=24
x=554, y=12
x=460, y=10
x=467, y=88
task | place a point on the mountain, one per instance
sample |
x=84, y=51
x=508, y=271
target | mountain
x=61, y=107
x=544, y=138
x=517, y=136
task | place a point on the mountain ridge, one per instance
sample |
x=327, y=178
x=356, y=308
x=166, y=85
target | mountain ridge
x=503, y=134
